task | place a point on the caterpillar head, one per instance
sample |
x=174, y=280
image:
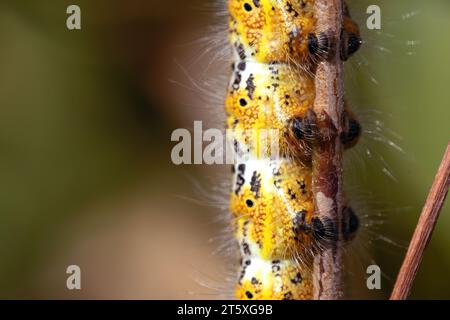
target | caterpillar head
x=269, y=31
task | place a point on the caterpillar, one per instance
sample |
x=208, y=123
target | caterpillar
x=277, y=45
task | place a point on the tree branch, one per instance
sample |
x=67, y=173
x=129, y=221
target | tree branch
x=327, y=157
x=424, y=229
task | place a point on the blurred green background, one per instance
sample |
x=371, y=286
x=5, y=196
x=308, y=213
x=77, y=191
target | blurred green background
x=85, y=170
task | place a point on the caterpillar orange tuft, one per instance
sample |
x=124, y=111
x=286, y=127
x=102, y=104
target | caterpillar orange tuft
x=277, y=45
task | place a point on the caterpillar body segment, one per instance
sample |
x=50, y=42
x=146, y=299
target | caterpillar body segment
x=284, y=31
x=272, y=200
x=269, y=31
x=265, y=97
x=271, y=94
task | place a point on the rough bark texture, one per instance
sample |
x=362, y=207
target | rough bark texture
x=327, y=157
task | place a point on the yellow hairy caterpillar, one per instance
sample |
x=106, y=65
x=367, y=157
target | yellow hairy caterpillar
x=276, y=45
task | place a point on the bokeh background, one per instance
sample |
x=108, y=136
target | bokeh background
x=85, y=170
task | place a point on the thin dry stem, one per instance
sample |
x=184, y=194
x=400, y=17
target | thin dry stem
x=424, y=230
x=327, y=157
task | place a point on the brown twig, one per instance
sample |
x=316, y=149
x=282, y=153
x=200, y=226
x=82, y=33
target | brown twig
x=327, y=157
x=424, y=229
